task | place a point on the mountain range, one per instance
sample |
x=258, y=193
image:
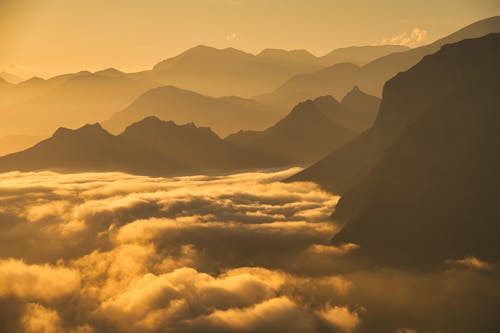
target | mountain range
x=336, y=80
x=149, y=147
x=223, y=114
x=419, y=187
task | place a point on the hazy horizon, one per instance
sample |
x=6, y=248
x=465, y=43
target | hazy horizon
x=134, y=36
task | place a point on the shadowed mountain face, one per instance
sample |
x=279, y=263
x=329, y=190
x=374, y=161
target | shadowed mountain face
x=90, y=148
x=194, y=146
x=356, y=112
x=304, y=135
x=38, y=106
x=432, y=191
x=149, y=147
x=370, y=77
x=224, y=114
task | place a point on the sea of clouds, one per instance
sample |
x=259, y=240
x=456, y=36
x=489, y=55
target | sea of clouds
x=112, y=252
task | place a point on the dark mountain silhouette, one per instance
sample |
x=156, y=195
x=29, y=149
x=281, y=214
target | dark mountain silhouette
x=356, y=112
x=91, y=148
x=224, y=115
x=149, y=147
x=195, y=146
x=359, y=55
x=371, y=77
x=303, y=136
x=11, y=78
x=359, y=101
x=68, y=100
x=431, y=190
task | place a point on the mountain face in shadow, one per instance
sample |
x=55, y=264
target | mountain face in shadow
x=90, y=148
x=149, y=147
x=194, y=146
x=360, y=55
x=370, y=77
x=224, y=115
x=432, y=193
x=303, y=136
x=356, y=112
x=37, y=105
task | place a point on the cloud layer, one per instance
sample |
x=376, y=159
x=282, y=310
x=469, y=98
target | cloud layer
x=111, y=252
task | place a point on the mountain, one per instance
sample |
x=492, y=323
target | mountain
x=299, y=56
x=195, y=146
x=370, y=77
x=224, y=115
x=219, y=72
x=308, y=86
x=12, y=143
x=91, y=148
x=431, y=191
x=356, y=112
x=149, y=147
x=303, y=136
x=359, y=55
x=11, y=78
x=376, y=73
x=68, y=100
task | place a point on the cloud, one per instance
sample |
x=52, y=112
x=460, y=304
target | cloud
x=231, y=36
x=104, y=252
x=416, y=37
x=41, y=282
x=340, y=317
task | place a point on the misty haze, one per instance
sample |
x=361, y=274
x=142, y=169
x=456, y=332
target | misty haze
x=249, y=166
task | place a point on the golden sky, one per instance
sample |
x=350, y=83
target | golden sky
x=55, y=36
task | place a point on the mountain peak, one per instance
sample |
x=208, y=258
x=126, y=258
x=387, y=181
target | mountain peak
x=110, y=72
x=87, y=129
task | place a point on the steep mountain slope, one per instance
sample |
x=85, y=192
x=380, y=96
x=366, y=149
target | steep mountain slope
x=371, y=77
x=432, y=196
x=303, y=136
x=224, y=115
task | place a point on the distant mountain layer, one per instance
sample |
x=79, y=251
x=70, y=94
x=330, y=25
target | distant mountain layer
x=219, y=72
x=224, y=115
x=149, y=147
x=428, y=171
x=338, y=79
x=305, y=135
x=38, y=106
x=11, y=78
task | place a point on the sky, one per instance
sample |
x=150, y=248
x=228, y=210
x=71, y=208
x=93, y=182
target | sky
x=50, y=37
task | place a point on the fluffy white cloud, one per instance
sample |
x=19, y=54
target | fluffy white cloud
x=101, y=252
x=413, y=38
